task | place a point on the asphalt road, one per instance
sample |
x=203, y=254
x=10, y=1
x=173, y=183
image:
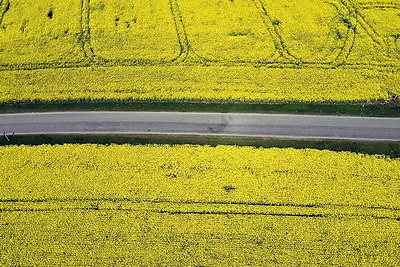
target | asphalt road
x=232, y=124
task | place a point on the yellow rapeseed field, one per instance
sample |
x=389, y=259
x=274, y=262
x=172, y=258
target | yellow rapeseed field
x=196, y=205
x=243, y=50
x=40, y=32
x=141, y=30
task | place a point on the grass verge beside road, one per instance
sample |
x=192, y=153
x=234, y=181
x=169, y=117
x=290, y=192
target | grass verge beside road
x=377, y=109
x=391, y=149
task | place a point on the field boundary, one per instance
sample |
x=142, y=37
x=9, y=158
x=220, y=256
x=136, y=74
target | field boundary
x=384, y=108
x=385, y=148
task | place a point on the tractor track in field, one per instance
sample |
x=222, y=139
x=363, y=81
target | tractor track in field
x=200, y=207
x=188, y=56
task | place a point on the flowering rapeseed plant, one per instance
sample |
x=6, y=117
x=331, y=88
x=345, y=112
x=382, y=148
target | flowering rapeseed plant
x=196, y=205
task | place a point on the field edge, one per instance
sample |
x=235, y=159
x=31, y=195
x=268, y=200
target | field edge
x=381, y=108
x=386, y=148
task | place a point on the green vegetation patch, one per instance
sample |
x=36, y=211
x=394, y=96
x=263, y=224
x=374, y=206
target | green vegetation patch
x=391, y=149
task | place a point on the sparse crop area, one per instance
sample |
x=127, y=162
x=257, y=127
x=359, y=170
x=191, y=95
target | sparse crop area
x=172, y=205
x=179, y=50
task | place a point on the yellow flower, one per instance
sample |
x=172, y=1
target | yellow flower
x=156, y=205
x=245, y=50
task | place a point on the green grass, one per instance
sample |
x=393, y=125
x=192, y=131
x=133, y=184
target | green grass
x=377, y=109
x=391, y=149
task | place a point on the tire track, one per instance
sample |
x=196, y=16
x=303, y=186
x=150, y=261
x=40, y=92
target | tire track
x=388, y=44
x=273, y=29
x=103, y=62
x=351, y=35
x=369, y=29
x=181, y=32
x=176, y=207
x=4, y=7
x=84, y=38
x=341, y=57
x=379, y=5
x=196, y=58
x=186, y=54
x=134, y=200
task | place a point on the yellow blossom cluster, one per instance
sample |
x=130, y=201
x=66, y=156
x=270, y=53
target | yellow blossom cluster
x=186, y=205
x=138, y=30
x=242, y=50
x=181, y=83
x=198, y=173
x=37, y=32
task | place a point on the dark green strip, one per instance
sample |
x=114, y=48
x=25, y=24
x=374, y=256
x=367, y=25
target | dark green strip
x=390, y=149
x=377, y=109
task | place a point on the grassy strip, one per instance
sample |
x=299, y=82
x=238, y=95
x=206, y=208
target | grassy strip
x=391, y=149
x=375, y=110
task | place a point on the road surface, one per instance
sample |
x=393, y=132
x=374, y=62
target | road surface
x=230, y=124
